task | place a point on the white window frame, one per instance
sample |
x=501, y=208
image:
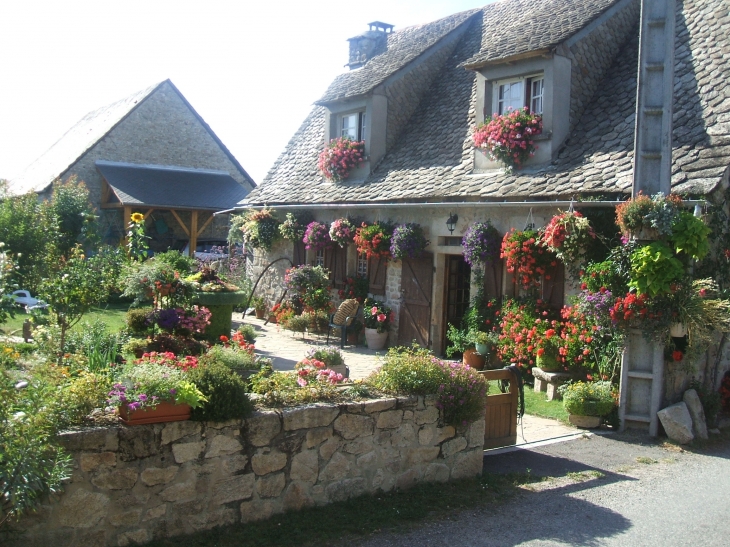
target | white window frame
x=319, y=257
x=359, y=130
x=526, y=80
x=362, y=265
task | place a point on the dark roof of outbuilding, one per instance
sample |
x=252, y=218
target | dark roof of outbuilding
x=86, y=133
x=173, y=187
x=433, y=160
x=516, y=27
x=403, y=46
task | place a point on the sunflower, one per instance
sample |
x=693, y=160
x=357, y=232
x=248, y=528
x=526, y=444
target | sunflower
x=137, y=217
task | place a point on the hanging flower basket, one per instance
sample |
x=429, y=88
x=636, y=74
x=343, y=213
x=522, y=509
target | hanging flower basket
x=481, y=244
x=295, y=225
x=374, y=239
x=261, y=229
x=408, y=241
x=526, y=258
x=342, y=231
x=568, y=236
x=509, y=137
x=340, y=157
x=317, y=236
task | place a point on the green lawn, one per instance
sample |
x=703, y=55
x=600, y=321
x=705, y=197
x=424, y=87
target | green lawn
x=112, y=314
x=537, y=405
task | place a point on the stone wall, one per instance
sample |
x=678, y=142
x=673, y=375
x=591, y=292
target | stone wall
x=136, y=484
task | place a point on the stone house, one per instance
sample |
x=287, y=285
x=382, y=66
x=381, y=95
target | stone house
x=150, y=152
x=415, y=95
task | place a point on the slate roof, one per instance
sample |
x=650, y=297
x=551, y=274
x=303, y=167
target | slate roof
x=173, y=187
x=86, y=133
x=432, y=159
x=515, y=27
x=402, y=47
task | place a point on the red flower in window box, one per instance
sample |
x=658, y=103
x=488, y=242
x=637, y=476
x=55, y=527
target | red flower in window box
x=508, y=137
x=340, y=156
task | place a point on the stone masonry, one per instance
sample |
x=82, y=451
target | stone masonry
x=135, y=484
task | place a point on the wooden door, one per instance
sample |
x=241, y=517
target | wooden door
x=456, y=292
x=493, y=280
x=416, y=286
x=500, y=413
x=377, y=274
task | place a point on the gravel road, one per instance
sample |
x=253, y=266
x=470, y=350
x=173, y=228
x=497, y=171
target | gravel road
x=613, y=490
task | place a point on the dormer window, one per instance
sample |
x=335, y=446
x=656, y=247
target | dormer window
x=520, y=92
x=352, y=126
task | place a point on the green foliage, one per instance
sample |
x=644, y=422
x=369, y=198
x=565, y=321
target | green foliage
x=249, y=332
x=588, y=399
x=137, y=245
x=460, y=390
x=281, y=389
x=310, y=284
x=260, y=228
x=654, y=268
x=220, y=322
x=329, y=355
x=177, y=261
x=258, y=303
x=74, y=216
x=606, y=275
x=179, y=345
x=137, y=322
x=158, y=280
x=31, y=465
x=295, y=225
x=101, y=347
x=690, y=236
x=144, y=384
x=297, y=323
x=79, y=284
x=225, y=391
x=233, y=357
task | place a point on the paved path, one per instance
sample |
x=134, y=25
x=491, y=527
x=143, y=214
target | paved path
x=286, y=348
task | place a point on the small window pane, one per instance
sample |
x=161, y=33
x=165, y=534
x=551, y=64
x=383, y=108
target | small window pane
x=362, y=265
x=319, y=258
x=538, y=87
x=510, y=96
x=349, y=126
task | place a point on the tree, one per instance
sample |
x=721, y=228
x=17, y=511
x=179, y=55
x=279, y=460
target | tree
x=79, y=284
x=73, y=215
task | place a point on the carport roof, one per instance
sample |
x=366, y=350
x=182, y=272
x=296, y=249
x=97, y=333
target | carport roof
x=171, y=187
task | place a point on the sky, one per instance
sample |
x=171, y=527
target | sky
x=251, y=69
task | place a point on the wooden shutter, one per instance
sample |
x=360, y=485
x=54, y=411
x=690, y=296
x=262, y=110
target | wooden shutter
x=335, y=260
x=553, y=289
x=493, y=279
x=300, y=253
x=377, y=268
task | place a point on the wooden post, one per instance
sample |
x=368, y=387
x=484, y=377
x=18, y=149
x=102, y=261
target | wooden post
x=193, y=232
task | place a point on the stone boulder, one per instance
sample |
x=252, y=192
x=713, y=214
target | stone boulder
x=677, y=423
x=694, y=405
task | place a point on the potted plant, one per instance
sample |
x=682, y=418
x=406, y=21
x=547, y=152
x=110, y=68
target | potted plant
x=568, y=235
x=354, y=330
x=259, y=305
x=340, y=157
x=356, y=287
x=648, y=218
x=378, y=317
x=481, y=244
x=295, y=225
x=654, y=269
x=219, y=297
x=317, y=236
x=525, y=258
x=374, y=239
x=342, y=231
x=408, y=241
x=260, y=228
x=587, y=402
x=148, y=392
x=464, y=341
x=331, y=356
x=509, y=137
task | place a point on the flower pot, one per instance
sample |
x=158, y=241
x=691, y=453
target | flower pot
x=584, y=422
x=473, y=359
x=482, y=349
x=678, y=330
x=260, y=314
x=341, y=369
x=548, y=362
x=375, y=339
x=352, y=338
x=163, y=412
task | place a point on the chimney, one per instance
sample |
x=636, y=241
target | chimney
x=368, y=44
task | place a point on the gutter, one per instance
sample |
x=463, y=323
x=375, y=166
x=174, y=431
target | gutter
x=448, y=204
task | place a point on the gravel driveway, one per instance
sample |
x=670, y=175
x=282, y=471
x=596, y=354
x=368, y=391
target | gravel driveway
x=614, y=490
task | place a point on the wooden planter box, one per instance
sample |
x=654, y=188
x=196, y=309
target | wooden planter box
x=163, y=412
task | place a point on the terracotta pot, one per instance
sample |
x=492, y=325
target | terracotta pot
x=584, y=422
x=260, y=314
x=375, y=339
x=678, y=330
x=472, y=358
x=163, y=412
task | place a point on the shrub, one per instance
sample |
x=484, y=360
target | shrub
x=281, y=389
x=177, y=261
x=460, y=390
x=248, y=332
x=233, y=357
x=81, y=395
x=138, y=320
x=588, y=399
x=179, y=345
x=225, y=391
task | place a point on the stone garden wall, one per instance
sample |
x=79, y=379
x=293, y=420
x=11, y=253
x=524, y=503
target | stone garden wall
x=136, y=484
